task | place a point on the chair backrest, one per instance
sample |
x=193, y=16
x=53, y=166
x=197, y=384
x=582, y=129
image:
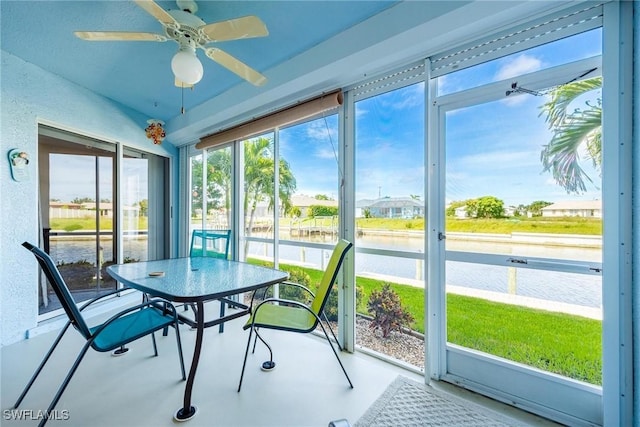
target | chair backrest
x=210, y=243
x=60, y=288
x=330, y=274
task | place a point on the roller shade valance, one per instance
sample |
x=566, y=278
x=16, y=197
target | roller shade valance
x=278, y=118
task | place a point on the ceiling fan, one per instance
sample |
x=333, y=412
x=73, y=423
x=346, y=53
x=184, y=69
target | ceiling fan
x=191, y=33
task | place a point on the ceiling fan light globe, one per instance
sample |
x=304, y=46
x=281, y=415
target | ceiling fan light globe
x=187, y=67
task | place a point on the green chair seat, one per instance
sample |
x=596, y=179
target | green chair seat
x=282, y=317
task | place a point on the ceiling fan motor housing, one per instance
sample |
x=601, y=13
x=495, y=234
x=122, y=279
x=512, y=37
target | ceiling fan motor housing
x=187, y=32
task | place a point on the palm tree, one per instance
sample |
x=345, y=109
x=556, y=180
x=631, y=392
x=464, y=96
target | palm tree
x=259, y=178
x=571, y=132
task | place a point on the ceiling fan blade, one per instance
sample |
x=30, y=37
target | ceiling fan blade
x=234, y=65
x=239, y=28
x=119, y=36
x=180, y=83
x=157, y=12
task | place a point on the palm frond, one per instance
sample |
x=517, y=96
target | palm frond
x=556, y=108
x=561, y=155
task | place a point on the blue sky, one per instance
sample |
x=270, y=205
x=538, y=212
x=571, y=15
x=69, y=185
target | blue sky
x=491, y=149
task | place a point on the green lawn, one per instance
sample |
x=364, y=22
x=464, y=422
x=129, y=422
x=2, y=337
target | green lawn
x=588, y=226
x=560, y=343
x=89, y=224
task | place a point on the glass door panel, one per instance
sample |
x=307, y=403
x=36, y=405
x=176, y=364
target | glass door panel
x=135, y=205
x=79, y=220
x=79, y=213
x=390, y=220
x=258, y=198
x=523, y=301
x=501, y=204
x=212, y=193
x=309, y=180
x=219, y=206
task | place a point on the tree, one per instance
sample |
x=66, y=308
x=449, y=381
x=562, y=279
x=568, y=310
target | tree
x=81, y=200
x=485, y=207
x=451, y=209
x=572, y=131
x=319, y=210
x=535, y=208
x=213, y=189
x=259, y=178
x=321, y=197
x=295, y=212
x=144, y=207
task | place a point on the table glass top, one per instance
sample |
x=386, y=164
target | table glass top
x=193, y=279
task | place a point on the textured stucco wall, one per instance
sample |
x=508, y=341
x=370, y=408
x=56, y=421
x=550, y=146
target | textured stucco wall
x=30, y=95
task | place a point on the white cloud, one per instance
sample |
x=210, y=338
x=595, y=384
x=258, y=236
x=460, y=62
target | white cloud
x=499, y=160
x=521, y=64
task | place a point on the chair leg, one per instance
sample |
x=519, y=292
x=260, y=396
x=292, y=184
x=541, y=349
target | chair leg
x=246, y=353
x=331, y=329
x=155, y=347
x=177, y=328
x=336, y=354
x=222, y=307
x=255, y=341
x=265, y=343
x=269, y=364
x=65, y=383
x=44, y=361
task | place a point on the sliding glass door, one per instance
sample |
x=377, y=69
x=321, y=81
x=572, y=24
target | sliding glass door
x=522, y=213
x=79, y=211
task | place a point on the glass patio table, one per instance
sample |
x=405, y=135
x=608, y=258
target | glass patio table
x=195, y=281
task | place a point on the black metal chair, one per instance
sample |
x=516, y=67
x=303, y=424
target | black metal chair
x=122, y=328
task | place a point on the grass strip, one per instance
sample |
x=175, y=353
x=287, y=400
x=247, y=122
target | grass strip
x=561, y=343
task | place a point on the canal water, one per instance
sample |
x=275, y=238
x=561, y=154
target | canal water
x=571, y=288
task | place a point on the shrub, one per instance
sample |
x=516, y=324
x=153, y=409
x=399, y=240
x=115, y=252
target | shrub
x=387, y=311
x=294, y=292
x=331, y=308
x=318, y=210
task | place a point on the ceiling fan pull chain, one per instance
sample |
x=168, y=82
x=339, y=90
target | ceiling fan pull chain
x=182, y=95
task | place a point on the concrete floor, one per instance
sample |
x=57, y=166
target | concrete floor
x=307, y=388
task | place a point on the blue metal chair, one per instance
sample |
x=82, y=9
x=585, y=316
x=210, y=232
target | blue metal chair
x=127, y=326
x=210, y=243
x=215, y=244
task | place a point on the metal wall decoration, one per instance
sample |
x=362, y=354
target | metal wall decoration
x=155, y=131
